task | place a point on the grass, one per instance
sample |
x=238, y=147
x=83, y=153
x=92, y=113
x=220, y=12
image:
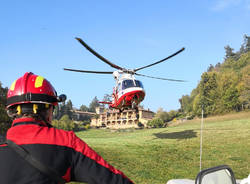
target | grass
x=158, y=155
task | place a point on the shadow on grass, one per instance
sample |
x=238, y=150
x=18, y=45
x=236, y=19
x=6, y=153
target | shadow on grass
x=186, y=134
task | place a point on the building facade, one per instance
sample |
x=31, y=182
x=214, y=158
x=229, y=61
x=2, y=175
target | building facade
x=116, y=120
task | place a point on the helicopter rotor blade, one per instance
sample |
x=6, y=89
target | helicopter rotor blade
x=87, y=71
x=175, y=80
x=179, y=51
x=98, y=55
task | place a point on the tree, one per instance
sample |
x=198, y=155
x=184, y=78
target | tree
x=172, y=114
x=247, y=43
x=84, y=117
x=229, y=95
x=229, y=52
x=231, y=99
x=5, y=121
x=245, y=47
x=94, y=103
x=242, y=49
x=56, y=112
x=106, y=98
x=69, y=108
x=217, y=67
x=197, y=106
x=210, y=68
x=84, y=108
x=63, y=109
x=244, y=88
x=186, y=104
x=164, y=116
x=208, y=92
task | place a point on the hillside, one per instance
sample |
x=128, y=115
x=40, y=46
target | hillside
x=224, y=87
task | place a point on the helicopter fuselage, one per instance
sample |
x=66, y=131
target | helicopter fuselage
x=128, y=92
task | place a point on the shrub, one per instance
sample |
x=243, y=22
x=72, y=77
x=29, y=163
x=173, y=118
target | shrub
x=156, y=123
x=64, y=123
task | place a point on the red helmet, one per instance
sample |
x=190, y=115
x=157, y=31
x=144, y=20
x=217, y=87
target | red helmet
x=31, y=88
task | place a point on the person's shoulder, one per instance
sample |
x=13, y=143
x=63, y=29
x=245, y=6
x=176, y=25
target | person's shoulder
x=63, y=136
x=61, y=131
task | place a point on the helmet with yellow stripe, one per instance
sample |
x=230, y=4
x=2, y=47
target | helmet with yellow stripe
x=32, y=91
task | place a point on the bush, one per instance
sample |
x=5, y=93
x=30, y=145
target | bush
x=156, y=123
x=64, y=123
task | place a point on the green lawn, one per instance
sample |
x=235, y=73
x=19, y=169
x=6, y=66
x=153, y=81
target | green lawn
x=158, y=155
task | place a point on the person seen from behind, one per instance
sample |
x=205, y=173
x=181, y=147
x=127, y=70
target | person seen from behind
x=36, y=152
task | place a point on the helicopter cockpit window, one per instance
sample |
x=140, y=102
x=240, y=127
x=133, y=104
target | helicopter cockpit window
x=119, y=87
x=138, y=83
x=130, y=83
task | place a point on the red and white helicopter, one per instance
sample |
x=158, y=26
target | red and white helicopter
x=128, y=92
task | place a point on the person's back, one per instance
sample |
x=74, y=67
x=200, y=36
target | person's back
x=42, y=142
x=58, y=150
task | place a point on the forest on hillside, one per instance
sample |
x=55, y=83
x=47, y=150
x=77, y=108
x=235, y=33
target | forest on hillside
x=224, y=87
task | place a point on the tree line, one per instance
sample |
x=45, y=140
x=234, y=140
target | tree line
x=67, y=108
x=65, y=118
x=224, y=87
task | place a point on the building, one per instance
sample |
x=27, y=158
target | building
x=78, y=115
x=116, y=120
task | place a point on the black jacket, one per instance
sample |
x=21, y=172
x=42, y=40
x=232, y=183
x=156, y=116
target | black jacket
x=61, y=150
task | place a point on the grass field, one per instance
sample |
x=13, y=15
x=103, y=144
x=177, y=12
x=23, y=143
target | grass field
x=152, y=156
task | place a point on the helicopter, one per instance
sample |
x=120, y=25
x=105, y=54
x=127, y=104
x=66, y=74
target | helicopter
x=128, y=92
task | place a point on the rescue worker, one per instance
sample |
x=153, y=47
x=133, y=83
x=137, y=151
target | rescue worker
x=36, y=152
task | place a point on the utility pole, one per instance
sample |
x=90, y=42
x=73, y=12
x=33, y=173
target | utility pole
x=202, y=112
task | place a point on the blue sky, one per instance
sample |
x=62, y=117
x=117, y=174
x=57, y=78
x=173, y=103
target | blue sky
x=38, y=36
